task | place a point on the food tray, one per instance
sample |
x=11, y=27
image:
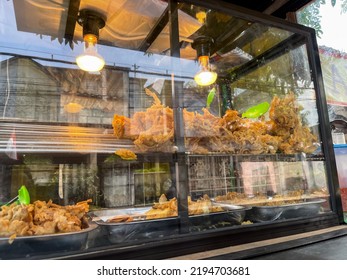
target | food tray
x=154, y=228
x=306, y=208
x=134, y=230
x=35, y=245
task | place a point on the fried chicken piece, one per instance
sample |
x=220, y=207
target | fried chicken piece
x=163, y=209
x=67, y=222
x=47, y=227
x=202, y=206
x=20, y=228
x=119, y=219
x=41, y=218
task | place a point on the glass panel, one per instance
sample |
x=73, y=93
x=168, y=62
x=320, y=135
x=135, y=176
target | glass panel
x=261, y=110
x=333, y=60
x=140, y=144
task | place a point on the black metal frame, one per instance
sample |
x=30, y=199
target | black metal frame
x=306, y=34
x=302, y=35
x=187, y=242
x=194, y=242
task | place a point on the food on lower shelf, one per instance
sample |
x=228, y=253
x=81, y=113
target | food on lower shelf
x=165, y=208
x=323, y=192
x=291, y=197
x=203, y=205
x=125, y=218
x=40, y=218
x=153, y=130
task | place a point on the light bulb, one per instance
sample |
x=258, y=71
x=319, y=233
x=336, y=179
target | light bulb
x=90, y=60
x=205, y=77
x=201, y=16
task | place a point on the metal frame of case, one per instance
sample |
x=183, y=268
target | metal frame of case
x=185, y=242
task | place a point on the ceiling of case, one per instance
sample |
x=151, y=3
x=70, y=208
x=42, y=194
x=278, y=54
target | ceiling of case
x=140, y=25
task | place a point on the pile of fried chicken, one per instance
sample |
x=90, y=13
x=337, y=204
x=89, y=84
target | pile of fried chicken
x=40, y=218
x=153, y=130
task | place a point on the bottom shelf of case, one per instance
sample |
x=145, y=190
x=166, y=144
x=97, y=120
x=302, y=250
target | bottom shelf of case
x=190, y=243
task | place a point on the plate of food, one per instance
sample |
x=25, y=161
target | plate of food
x=43, y=227
x=289, y=209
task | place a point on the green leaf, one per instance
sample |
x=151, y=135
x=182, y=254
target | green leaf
x=210, y=97
x=333, y=2
x=23, y=196
x=256, y=111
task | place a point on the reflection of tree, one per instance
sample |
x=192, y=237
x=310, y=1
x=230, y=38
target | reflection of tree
x=289, y=72
x=311, y=17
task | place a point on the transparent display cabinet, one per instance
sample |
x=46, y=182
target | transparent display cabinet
x=152, y=129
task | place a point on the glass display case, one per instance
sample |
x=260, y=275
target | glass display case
x=203, y=125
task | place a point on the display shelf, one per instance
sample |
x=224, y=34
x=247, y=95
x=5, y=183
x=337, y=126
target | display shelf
x=176, y=127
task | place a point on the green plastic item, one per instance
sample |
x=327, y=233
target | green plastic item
x=256, y=111
x=23, y=196
x=210, y=97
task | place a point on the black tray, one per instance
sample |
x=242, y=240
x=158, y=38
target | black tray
x=36, y=245
x=232, y=215
x=306, y=208
x=134, y=230
x=156, y=228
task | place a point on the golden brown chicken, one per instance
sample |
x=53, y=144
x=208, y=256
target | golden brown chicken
x=41, y=218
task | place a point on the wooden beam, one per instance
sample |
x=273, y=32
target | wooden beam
x=275, y=6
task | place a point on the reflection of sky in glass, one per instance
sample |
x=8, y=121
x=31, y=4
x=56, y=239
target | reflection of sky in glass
x=332, y=19
x=30, y=44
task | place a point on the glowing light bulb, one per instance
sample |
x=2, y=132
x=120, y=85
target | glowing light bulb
x=205, y=77
x=90, y=60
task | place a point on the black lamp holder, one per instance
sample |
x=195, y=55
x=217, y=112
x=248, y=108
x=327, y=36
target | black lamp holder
x=91, y=21
x=202, y=45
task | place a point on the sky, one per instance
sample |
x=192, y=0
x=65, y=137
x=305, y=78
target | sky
x=334, y=27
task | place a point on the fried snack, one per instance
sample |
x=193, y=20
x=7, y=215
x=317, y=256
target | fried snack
x=163, y=209
x=286, y=123
x=284, y=132
x=168, y=208
x=291, y=197
x=119, y=219
x=41, y=218
x=126, y=154
x=230, y=134
x=153, y=130
x=203, y=205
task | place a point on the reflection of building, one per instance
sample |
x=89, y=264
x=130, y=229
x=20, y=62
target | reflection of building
x=334, y=68
x=40, y=93
x=28, y=91
x=259, y=177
